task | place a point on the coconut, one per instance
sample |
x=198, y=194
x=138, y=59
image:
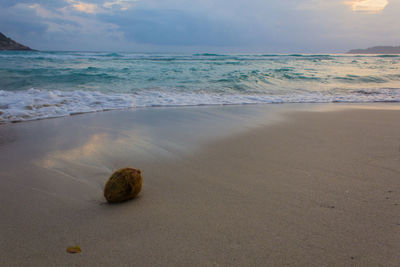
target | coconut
x=123, y=185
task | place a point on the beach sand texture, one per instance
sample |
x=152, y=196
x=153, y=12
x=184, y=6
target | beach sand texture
x=296, y=185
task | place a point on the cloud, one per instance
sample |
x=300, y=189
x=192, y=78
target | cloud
x=368, y=6
x=173, y=28
x=317, y=4
x=88, y=8
x=122, y=4
x=106, y=7
x=60, y=28
x=177, y=25
x=40, y=11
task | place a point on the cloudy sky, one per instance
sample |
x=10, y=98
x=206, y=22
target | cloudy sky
x=202, y=25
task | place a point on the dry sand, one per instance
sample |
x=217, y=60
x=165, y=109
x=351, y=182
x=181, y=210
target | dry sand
x=267, y=185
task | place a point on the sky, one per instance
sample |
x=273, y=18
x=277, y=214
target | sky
x=275, y=26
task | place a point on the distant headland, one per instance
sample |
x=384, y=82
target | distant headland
x=377, y=50
x=7, y=43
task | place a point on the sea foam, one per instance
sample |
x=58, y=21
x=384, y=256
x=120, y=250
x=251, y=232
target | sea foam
x=36, y=104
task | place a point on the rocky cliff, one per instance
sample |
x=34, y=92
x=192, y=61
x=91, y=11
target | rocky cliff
x=377, y=50
x=9, y=44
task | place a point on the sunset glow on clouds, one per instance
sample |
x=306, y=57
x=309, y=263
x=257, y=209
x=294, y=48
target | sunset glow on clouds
x=91, y=8
x=84, y=7
x=369, y=6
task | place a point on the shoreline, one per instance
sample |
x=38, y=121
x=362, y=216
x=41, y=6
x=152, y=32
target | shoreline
x=391, y=105
x=232, y=185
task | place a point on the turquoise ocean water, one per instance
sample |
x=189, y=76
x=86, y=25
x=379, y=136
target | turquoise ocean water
x=36, y=85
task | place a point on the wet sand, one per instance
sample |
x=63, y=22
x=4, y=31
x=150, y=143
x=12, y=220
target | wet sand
x=272, y=185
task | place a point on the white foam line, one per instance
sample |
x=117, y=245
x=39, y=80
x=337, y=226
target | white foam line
x=36, y=104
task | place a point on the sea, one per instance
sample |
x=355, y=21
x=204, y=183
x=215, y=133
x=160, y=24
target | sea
x=37, y=85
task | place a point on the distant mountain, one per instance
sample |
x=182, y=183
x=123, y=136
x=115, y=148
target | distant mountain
x=9, y=44
x=377, y=50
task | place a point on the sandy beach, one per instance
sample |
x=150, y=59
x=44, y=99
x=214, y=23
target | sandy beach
x=255, y=185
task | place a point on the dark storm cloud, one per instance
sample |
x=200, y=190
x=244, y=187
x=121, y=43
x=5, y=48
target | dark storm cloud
x=173, y=27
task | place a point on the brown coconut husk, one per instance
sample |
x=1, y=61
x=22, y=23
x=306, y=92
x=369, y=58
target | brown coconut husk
x=123, y=185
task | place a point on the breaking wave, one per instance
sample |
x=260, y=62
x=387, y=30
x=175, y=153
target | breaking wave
x=36, y=104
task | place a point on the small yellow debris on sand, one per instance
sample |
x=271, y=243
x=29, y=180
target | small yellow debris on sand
x=76, y=249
